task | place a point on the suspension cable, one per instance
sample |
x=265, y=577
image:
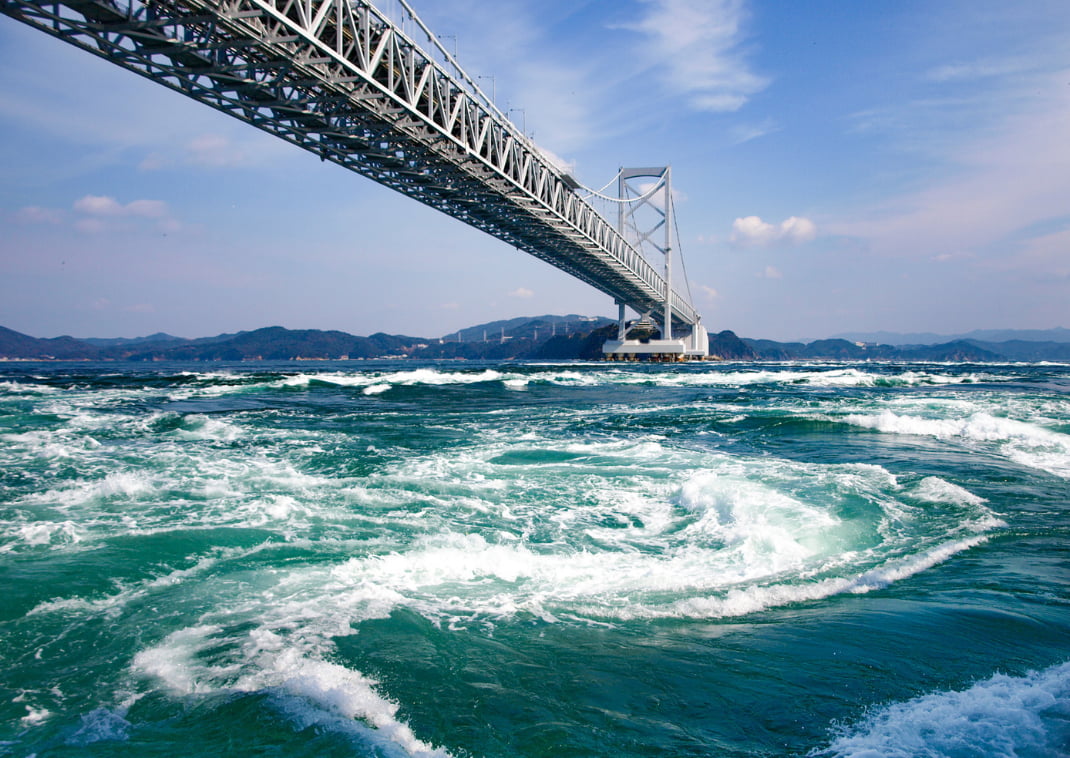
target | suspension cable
x=680, y=248
x=621, y=200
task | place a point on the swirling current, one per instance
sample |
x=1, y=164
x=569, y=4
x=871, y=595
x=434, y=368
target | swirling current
x=377, y=558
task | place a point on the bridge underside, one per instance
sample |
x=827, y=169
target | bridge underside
x=342, y=81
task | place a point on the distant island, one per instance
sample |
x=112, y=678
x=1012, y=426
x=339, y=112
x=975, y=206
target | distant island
x=570, y=337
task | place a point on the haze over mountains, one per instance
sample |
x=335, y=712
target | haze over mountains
x=547, y=337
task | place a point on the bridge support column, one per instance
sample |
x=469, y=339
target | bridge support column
x=668, y=221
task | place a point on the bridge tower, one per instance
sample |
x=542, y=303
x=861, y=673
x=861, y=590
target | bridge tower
x=646, y=218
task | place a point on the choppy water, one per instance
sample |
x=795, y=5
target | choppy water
x=394, y=559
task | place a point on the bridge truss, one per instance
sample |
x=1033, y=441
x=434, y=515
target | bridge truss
x=345, y=81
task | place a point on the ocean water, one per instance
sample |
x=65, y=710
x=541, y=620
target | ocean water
x=459, y=559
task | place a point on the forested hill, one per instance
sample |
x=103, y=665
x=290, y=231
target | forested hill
x=537, y=338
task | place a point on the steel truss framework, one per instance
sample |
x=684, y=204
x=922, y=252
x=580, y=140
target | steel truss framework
x=342, y=80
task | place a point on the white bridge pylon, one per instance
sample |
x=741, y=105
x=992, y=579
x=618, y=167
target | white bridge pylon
x=380, y=96
x=646, y=217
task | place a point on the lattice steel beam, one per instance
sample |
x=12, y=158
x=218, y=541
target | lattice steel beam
x=340, y=79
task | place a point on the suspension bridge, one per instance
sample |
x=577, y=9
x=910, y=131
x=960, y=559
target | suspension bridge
x=377, y=93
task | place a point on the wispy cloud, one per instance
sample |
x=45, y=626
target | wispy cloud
x=523, y=64
x=751, y=231
x=980, y=69
x=216, y=151
x=35, y=214
x=522, y=292
x=702, y=44
x=747, y=132
x=1010, y=179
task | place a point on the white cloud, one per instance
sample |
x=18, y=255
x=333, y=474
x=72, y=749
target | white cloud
x=709, y=292
x=701, y=41
x=522, y=292
x=751, y=231
x=99, y=205
x=770, y=272
x=97, y=208
x=796, y=229
x=557, y=161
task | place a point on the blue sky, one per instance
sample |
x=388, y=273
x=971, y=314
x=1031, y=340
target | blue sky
x=838, y=166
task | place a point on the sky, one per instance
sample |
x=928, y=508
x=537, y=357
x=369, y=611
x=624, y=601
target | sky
x=898, y=165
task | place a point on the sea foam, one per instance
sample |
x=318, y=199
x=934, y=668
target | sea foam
x=1023, y=442
x=1001, y=716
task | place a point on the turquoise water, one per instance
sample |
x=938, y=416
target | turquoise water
x=457, y=559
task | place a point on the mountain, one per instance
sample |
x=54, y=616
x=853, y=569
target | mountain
x=1024, y=350
x=534, y=337
x=528, y=327
x=1059, y=335
x=526, y=337
x=16, y=345
x=728, y=346
x=275, y=343
x=962, y=351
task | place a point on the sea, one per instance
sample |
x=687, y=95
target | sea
x=400, y=558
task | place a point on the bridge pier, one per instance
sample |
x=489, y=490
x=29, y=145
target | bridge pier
x=696, y=346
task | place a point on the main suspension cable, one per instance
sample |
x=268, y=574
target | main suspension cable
x=680, y=247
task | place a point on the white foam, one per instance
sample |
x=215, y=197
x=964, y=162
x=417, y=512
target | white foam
x=116, y=485
x=199, y=427
x=1004, y=716
x=748, y=600
x=35, y=716
x=422, y=376
x=933, y=489
x=173, y=662
x=319, y=688
x=454, y=576
x=1025, y=443
x=281, y=508
x=618, y=537
x=286, y=665
x=57, y=533
x=20, y=388
x=58, y=444
x=831, y=377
